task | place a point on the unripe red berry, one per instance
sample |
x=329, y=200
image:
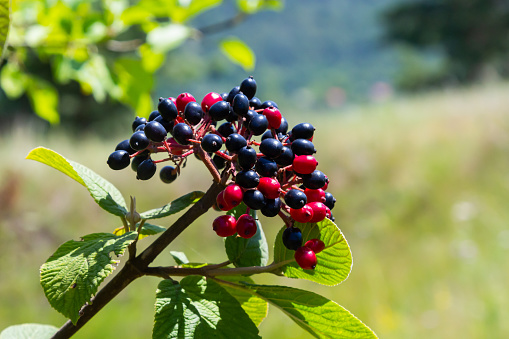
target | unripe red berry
x=304, y=164
x=246, y=226
x=306, y=258
x=209, y=100
x=316, y=245
x=269, y=187
x=221, y=203
x=315, y=195
x=232, y=195
x=319, y=211
x=182, y=100
x=304, y=214
x=273, y=117
x=225, y=225
x=328, y=213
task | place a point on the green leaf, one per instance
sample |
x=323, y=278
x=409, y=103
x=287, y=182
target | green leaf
x=146, y=230
x=44, y=99
x=4, y=24
x=253, y=6
x=185, y=10
x=165, y=38
x=318, y=315
x=103, y=192
x=28, y=331
x=71, y=276
x=238, y=52
x=13, y=81
x=173, y=207
x=179, y=257
x=255, y=307
x=199, y=308
x=247, y=252
x=135, y=82
x=334, y=262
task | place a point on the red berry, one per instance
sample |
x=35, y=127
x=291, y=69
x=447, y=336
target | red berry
x=182, y=100
x=316, y=245
x=306, y=258
x=315, y=195
x=304, y=164
x=328, y=213
x=221, y=203
x=269, y=187
x=232, y=195
x=273, y=117
x=246, y=226
x=209, y=100
x=225, y=225
x=304, y=214
x=173, y=99
x=319, y=211
x=326, y=183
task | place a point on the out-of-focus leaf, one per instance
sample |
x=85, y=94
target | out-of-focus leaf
x=253, y=6
x=165, y=38
x=44, y=99
x=96, y=74
x=187, y=9
x=13, y=81
x=238, y=52
x=29, y=331
x=150, y=60
x=4, y=24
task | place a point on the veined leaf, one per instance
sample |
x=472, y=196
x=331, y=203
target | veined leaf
x=146, y=230
x=199, y=308
x=238, y=52
x=334, y=262
x=255, y=307
x=71, y=276
x=103, y=192
x=247, y=252
x=4, y=24
x=318, y=315
x=28, y=331
x=179, y=257
x=173, y=207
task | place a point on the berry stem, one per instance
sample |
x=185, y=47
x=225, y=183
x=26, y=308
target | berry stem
x=204, y=156
x=288, y=221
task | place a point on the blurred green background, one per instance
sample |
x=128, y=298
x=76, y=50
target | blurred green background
x=414, y=140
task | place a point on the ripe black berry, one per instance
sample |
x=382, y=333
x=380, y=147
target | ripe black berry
x=246, y=157
x=286, y=157
x=146, y=170
x=292, y=238
x=119, y=160
x=267, y=135
x=315, y=180
x=249, y=115
x=254, y=199
x=303, y=131
x=268, y=103
x=219, y=111
x=182, y=133
x=295, y=198
x=193, y=113
x=247, y=179
x=139, y=141
x=168, y=125
x=218, y=161
x=266, y=167
x=272, y=207
x=303, y=147
x=226, y=129
x=211, y=142
x=234, y=91
x=155, y=131
x=235, y=142
x=138, y=121
x=255, y=103
x=153, y=115
x=167, y=109
x=137, y=160
x=330, y=201
x=124, y=146
x=240, y=104
x=258, y=124
x=271, y=148
x=168, y=174
x=140, y=127
x=248, y=87
x=283, y=128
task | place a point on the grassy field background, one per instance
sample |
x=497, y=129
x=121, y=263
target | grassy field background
x=422, y=188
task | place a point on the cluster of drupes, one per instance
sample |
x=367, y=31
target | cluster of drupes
x=276, y=175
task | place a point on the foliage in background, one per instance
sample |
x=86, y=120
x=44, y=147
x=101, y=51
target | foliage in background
x=110, y=48
x=4, y=24
x=469, y=35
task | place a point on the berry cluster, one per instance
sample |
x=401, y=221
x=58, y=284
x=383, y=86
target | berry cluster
x=276, y=175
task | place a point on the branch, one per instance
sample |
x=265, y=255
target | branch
x=135, y=268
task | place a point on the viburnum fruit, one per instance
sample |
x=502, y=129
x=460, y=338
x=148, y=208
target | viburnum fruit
x=304, y=164
x=306, y=258
x=292, y=238
x=269, y=187
x=246, y=226
x=209, y=100
x=273, y=116
x=303, y=215
x=233, y=195
x=319, y=211
x=316, y=245
x=183, y=99
x=225, y=225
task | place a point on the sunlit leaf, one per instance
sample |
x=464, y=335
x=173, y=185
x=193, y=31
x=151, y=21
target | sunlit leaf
x=167, y=37
x=44, y=99
x=28, y=331
x=238, y=52
x=4, y=24
x=179, y=257
x=173, y=207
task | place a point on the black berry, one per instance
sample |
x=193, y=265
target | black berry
x=168, y=174
x=168, y=125
x=119, y=160
x=139, y=141
x=292, y=238
x=315, y=180
x=295, y=198
x=268, y=103
x=146, y=169
x=247, y=179
x=255, y=103
x=258, y=124
x=254, y=199
x=226, y=129
x=182, y=133
x=235, y=142
x=330, y=201
x=193, y=113
x=303, y=131
x=303, y=147
x=138, y=121
x=167, y=109
x=211, y=143
x=219, y=111
x=286, y=157
x=272, y=207
x=246, y=157
x=271, y=148
x=124, y=146
x=240, y=104
x=248, y=87
x=155, y=131
x=234, y=91
x=153, y=115
x=266, y=167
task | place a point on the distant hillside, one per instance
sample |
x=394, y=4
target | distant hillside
x=303, y=51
